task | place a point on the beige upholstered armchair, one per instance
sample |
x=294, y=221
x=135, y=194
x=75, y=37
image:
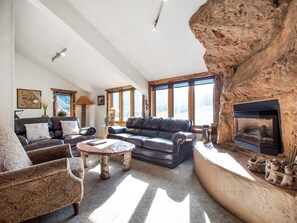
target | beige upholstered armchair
x=37, y=182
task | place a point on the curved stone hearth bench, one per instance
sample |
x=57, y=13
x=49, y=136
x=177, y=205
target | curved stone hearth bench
x=224, y=175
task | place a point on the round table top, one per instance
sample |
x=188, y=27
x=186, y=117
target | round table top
x=110, y=147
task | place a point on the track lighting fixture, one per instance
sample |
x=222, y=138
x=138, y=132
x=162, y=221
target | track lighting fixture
x=60, y=54
x=158, y=16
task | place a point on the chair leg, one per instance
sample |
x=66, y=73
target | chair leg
x=76, y=208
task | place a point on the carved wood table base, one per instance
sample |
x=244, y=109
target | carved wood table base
x=110, y=148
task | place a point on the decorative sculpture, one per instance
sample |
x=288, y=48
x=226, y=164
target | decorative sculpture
x=288, y=176
x=112, y=113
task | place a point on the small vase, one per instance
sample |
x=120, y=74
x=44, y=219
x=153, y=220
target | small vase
x=44, y=114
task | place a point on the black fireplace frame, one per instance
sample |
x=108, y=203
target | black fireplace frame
x=262, y=109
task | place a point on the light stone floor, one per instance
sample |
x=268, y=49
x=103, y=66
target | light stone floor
x=146, y=193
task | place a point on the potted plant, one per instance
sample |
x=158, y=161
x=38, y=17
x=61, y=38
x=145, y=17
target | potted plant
x=62, y=113
x=106, y=120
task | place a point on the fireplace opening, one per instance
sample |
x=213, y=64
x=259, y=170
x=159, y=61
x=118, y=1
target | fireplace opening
x=257, y=126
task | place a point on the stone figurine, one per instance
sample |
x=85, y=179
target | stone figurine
x=274, y=166
x=267, y=168
x=288, y=176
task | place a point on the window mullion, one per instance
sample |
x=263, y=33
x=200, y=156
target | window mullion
x=132, y=105
x=170, y=101
x=191, y=101
x=120, y=106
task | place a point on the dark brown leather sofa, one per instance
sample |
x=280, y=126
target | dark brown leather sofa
x=165, y=142
x=55, y=131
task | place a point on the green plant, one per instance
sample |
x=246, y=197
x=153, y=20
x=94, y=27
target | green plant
x=62, y=113
x=106, y=119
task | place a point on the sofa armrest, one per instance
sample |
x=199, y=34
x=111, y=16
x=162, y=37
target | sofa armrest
x=11, y=178
x=50, y=153
x=87, y=131
x=116, y=129
x=181, y=137
x=23, y=140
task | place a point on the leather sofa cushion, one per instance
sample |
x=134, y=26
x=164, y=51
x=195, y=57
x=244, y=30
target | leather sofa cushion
x=57, y=121
x=43, y=143
x=74, y=139
x=133, y=131
x=19, y=124
x=152, y=123
x=157, y=155
x=176, y=125
x=148, y=132
x=137, y=123
x=159, y=144
x=58, y=134
x=137, y=140
x=129, y=122
x=120, y=136
x=165, y=134
x=180, y=125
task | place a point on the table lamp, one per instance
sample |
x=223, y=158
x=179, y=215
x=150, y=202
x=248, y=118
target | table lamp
x=83, y=101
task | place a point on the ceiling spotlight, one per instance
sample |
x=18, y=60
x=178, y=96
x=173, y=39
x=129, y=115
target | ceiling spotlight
x=60, y=54
x=158, y=15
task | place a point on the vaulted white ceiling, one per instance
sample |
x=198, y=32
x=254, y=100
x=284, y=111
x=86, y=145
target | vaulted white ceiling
x=110, y=43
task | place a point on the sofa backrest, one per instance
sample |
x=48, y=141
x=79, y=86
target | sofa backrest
x=57, y=128
x=169, y=126
x=157, y=127
x=20, y=129
x=54, y=124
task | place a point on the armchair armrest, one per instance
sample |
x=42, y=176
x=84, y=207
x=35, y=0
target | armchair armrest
x=50, y=153
x=23, y=140
x=181, y=137
x=11, y=178
x=87, y=131
x=116, y=129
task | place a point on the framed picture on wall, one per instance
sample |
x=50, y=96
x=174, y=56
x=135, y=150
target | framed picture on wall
x=28, y=99
x=101, y=100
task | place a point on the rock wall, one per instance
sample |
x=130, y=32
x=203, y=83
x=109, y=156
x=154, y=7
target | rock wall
x=252, y=45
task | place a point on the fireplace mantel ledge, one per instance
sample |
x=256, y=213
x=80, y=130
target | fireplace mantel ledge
x=223, y=173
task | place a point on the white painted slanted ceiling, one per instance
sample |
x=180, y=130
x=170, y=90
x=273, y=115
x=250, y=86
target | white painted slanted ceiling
x=109, y=43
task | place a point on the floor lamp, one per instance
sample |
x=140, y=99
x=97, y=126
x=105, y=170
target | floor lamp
x=83, y=101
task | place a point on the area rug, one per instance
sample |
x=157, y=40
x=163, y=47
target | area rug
x=146, y=193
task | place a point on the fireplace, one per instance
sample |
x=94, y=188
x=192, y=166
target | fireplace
x=256, y=126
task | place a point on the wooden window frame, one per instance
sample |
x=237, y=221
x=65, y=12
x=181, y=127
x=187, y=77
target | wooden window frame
x=72, y=99
x=191, y=97
x=120, y=90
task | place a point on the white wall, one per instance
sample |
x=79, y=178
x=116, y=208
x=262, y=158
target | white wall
x=97, y=112
x=29, y=75
x=7, y=61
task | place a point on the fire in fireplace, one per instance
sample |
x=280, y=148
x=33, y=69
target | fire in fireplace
x=257, y=126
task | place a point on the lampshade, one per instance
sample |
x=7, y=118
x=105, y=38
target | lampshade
x=83, y=100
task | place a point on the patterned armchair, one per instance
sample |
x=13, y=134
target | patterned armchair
x=37, y=182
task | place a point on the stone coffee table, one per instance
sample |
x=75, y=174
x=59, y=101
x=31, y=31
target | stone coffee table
x=111, y=147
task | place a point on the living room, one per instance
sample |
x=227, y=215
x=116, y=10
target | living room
x=151, y=53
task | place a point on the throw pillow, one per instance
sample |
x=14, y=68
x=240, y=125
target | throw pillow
x=37, y=131
x=12, y=153
x=69, y=128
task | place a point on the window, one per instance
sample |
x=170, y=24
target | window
x=181, y=102
x=137, y=103
x=63, y=101
x=203, y=102
x=162, y=101
x=126, y=105
x=186, y=98
x=127, y=101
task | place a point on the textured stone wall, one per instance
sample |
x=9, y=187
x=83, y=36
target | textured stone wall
x=252, y=45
